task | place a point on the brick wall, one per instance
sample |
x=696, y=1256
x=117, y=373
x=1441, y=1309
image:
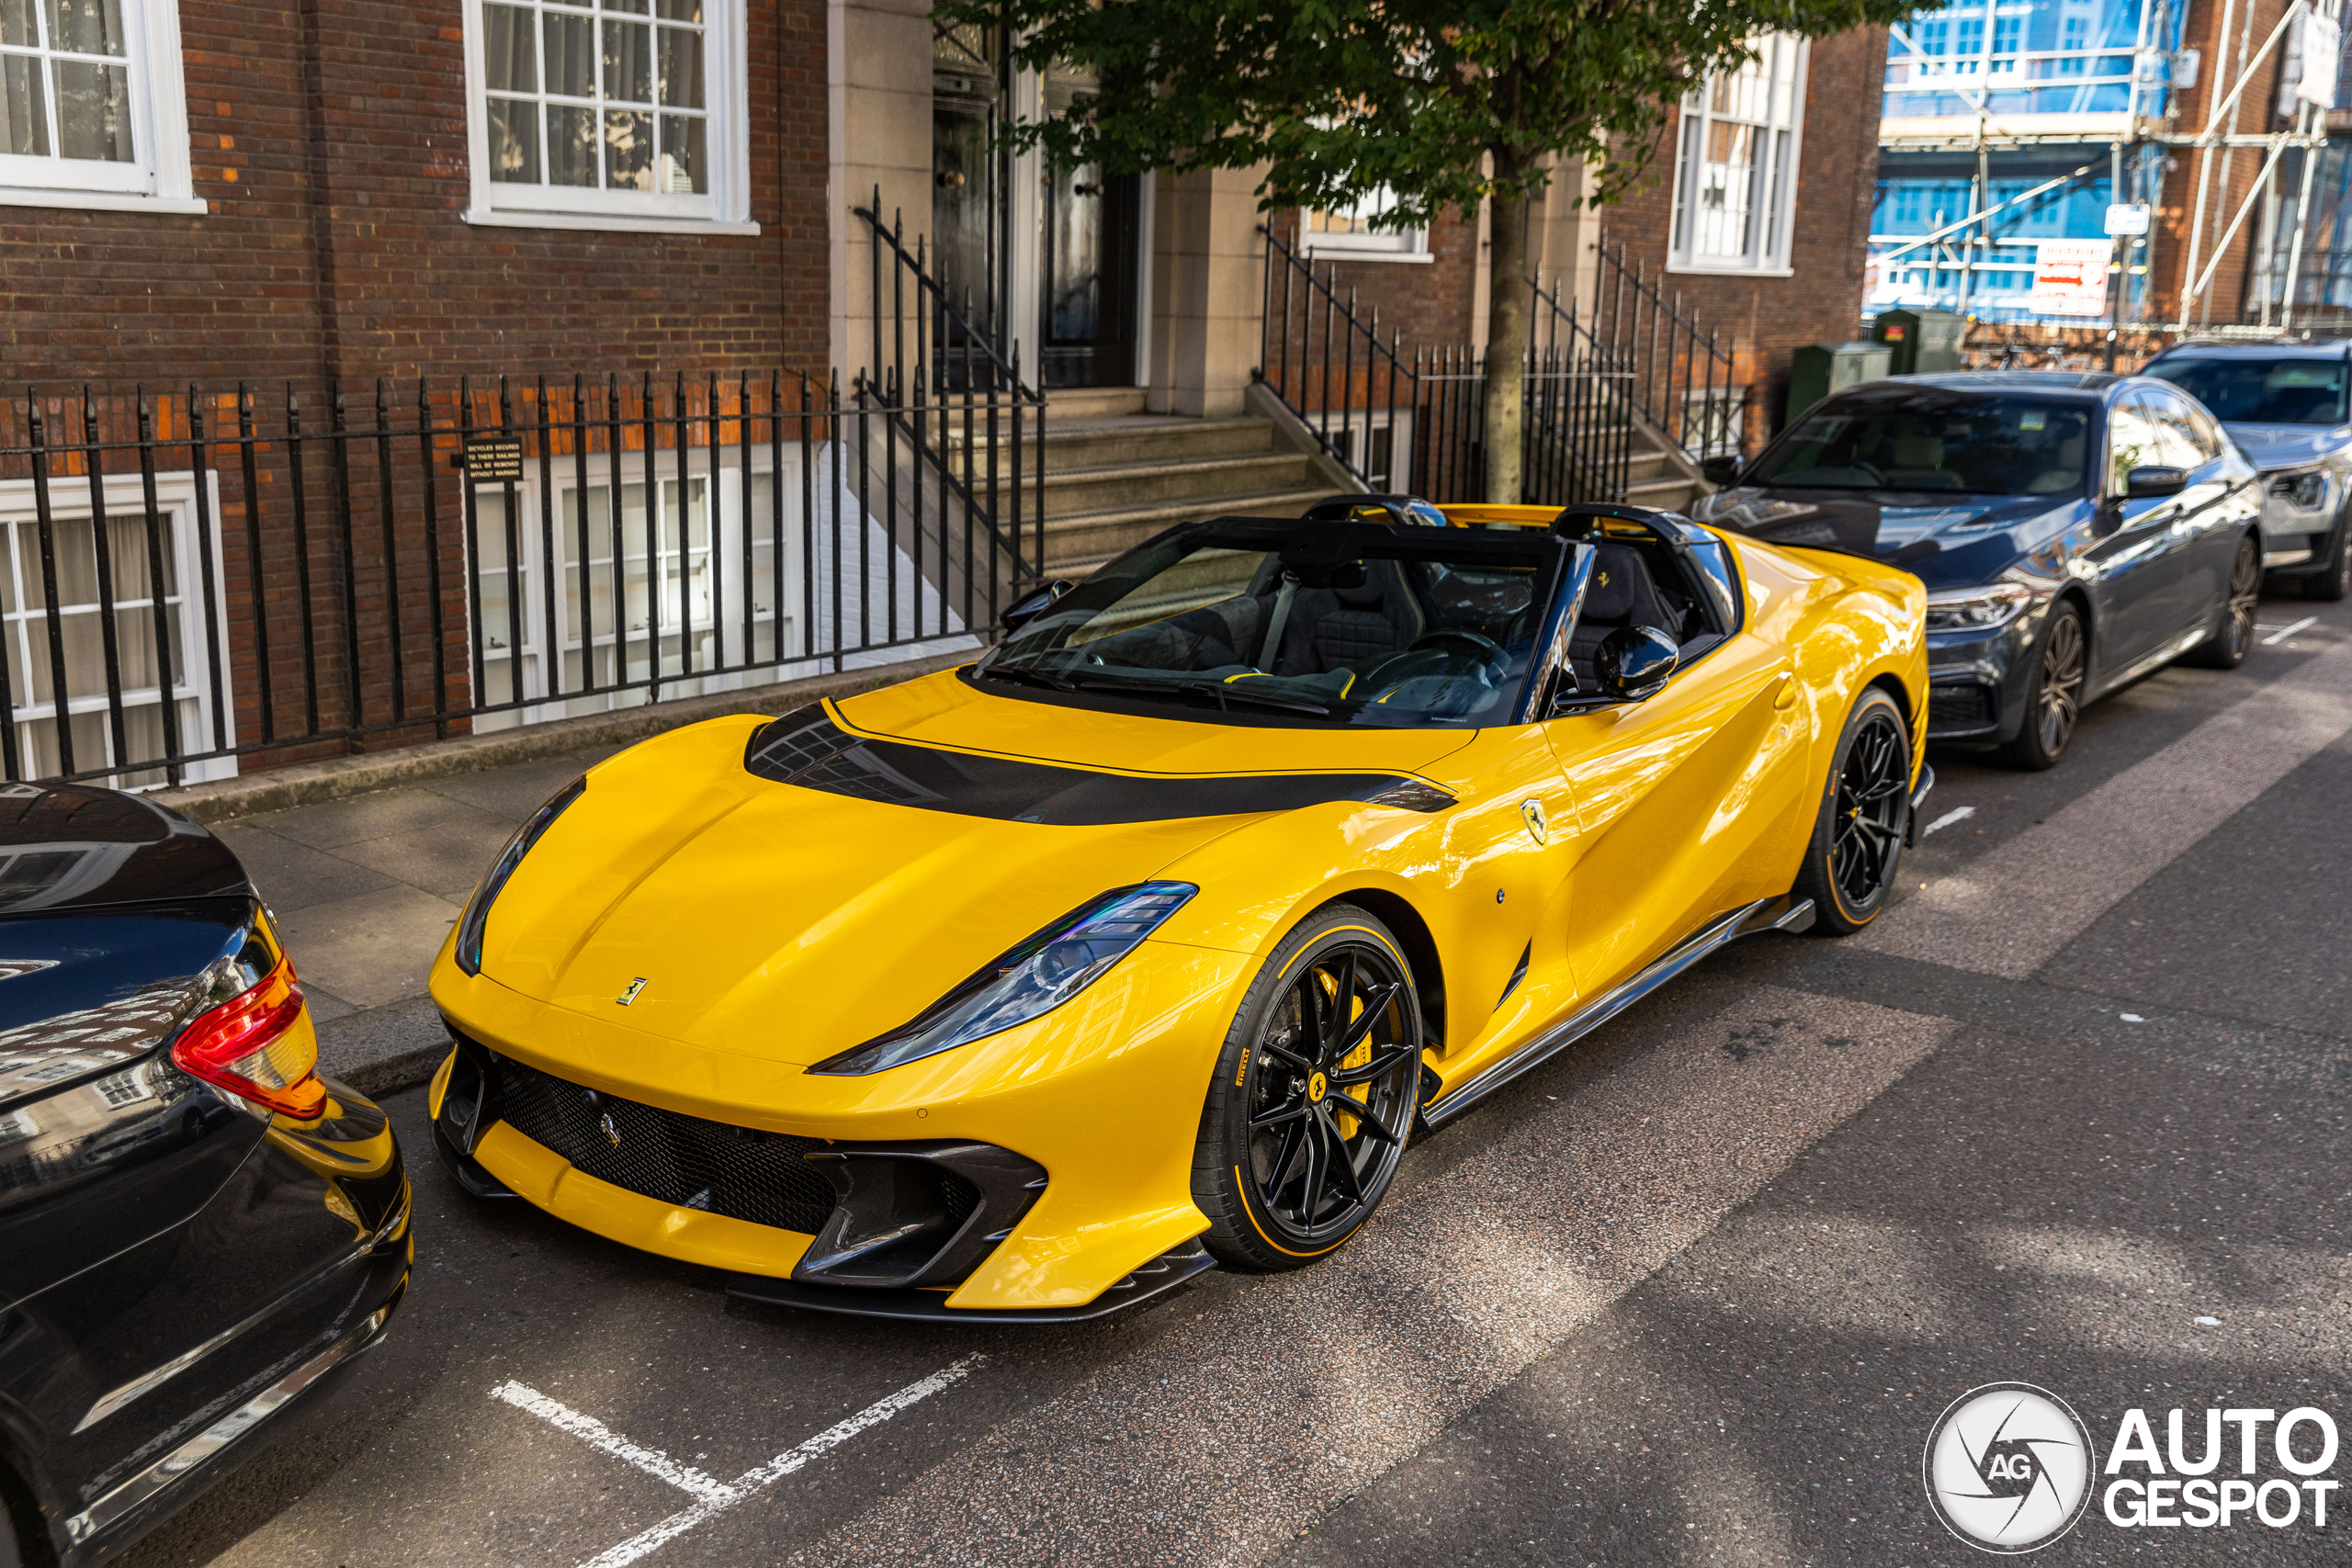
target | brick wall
x=330, y=138
x=2233, y=170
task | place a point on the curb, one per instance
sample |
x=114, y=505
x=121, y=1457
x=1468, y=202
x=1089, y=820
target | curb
x=339, y=778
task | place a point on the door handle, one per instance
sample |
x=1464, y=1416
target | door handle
x=1784, y=693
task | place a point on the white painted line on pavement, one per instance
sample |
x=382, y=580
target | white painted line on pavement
x=595, y=1434
x=1957, y=814
x=760, y=1477
x=2283, y=633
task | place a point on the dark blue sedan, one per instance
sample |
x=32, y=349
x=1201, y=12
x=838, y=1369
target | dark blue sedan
x=2075, y=532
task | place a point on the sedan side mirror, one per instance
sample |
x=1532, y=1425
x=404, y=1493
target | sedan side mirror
x=2140, y=484
x=1719, y=471
x=1031, y=604
x=1633, y=663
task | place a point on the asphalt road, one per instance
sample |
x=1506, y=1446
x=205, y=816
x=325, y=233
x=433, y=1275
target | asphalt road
x=2076, y=1114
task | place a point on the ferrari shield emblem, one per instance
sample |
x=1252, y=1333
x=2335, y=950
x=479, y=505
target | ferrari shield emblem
x=629, y=995
x=1532, y=811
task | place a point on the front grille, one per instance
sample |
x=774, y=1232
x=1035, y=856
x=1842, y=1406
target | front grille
x=741, y=1172
x=1957, y=707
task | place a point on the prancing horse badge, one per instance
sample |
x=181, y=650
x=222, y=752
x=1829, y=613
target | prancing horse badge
x=1532, y=810
x=635, y=985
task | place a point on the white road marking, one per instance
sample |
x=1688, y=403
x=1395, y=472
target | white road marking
x=2013, y=910
x=760, y=1477
x=1957, y=814
x=596, y=1435
x=2283, y=633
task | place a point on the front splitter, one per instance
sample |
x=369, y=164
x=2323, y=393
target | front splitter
x=1155, y=1278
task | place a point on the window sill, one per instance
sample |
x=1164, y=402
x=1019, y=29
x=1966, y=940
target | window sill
x=1733, y=271
x=104, y=201
x=1342, y=253
x=615, y=224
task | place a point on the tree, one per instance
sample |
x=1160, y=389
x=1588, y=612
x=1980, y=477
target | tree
x=1427, y=105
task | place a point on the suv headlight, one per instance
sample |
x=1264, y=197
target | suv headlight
x=1977, y=609
x=476, y=919
x=2306, y=491
x=1029, y=981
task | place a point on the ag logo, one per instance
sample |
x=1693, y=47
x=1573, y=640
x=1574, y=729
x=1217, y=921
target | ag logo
x=2008, y=1467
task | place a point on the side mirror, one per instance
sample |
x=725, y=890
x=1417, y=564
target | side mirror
x=1031, y=604
x=1719, y=471
x=1633, y=663
x=2140, y=484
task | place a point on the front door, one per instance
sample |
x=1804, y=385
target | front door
x=1091, y=231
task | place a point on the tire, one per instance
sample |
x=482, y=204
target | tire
x=1857, y=845
x=2232, y=635
x=2335, y=581
x=1276, y=1198
x=2053, y=695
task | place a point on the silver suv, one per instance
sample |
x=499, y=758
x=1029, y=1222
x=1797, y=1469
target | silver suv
x=2289, y=407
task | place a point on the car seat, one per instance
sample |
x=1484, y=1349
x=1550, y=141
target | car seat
x=1346, y=624
x=1917, y=459
x=1622, y=593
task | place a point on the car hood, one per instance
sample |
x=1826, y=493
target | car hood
x=792, y=916
x=2290, y=446
x=1948, y=541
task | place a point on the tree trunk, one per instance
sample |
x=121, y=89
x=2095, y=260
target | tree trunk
x=1507, y=302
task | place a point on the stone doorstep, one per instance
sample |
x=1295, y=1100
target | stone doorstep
x=338, y=778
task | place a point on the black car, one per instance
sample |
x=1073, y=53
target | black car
x=2075, y=532
x=195, y=1227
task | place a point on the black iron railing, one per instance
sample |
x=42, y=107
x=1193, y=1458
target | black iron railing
x=199, y=580
x=1682, y=377
x=1415, y=422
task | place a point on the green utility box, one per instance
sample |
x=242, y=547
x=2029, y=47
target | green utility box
x=1923, y=342
x=1821, y=368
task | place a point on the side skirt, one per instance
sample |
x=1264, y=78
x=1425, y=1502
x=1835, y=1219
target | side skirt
x=1781, y=914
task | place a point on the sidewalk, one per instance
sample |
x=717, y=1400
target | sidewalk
x=365, y=889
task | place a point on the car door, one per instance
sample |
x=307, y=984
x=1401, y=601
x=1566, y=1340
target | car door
x=1675, y=796
x=2135, y=573
x=2207, y=528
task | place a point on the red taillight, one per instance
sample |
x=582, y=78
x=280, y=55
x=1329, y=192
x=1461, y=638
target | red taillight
x=259, y=1046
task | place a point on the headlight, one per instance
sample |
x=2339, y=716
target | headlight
x=1027, y=982
x=1977, y=609
x=2306, y=491
x=477, y=916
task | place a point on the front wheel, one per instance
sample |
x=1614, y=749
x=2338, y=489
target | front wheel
x=1314, y=1096
x=2053, y=695
x=2232, y=637
x=2334, y=581
x=1858, y=840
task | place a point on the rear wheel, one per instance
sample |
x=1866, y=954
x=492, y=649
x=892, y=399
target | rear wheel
x=2232, y=637
x=1858, y=840
x=1314, y=1097
x=2053, y=695
x=2334, y=581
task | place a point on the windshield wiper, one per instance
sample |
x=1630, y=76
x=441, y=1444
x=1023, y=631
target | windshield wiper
x=1217, y=691
x=1031, y=677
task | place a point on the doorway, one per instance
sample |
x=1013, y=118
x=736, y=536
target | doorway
x=1090, y=232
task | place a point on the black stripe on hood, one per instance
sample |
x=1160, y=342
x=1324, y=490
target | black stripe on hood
x=807, y=748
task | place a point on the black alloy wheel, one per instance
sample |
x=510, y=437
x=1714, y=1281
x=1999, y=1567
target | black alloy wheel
x=1315, y=1095
x=2232, y=637
x=1866, y=812
x=2333, y=583
x=2055, y=695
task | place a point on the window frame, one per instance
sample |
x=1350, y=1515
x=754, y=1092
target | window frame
x=1408, y=245
x=724, y=208
x=158, y=178
x=1776, y=212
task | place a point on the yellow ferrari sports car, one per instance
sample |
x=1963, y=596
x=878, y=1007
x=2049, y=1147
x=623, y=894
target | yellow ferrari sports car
x=1148, y=941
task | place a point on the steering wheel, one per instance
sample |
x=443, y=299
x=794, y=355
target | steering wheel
x=1486, y=648
x=1871, y=468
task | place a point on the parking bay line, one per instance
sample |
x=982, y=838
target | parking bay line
x=1957, y=814
x=2283, y=633
x=723, y=1496
x=596, y=1435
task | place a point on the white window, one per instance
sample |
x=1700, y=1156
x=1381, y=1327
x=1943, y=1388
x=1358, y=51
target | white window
x=134, y=753
x=608, y=114
x=1735, y=173
x=1346, y=233
x=92, y=112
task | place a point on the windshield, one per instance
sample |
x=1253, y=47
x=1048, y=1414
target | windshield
x=1935, y=440
x=2261, y=391
x=1302, y=623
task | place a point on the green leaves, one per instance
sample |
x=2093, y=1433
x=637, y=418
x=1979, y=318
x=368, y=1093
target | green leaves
x=1345, y=98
